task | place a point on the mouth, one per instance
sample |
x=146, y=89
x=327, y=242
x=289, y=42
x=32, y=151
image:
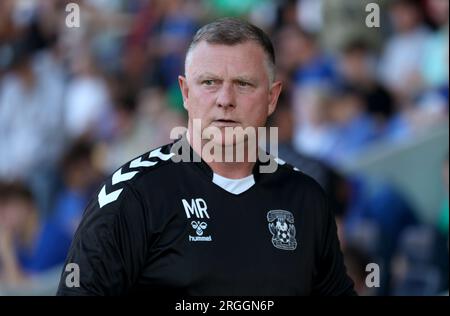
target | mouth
x=224, y=122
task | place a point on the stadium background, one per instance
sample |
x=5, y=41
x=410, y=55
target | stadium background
x=364, y=111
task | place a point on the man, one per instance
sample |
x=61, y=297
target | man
x=165, y=225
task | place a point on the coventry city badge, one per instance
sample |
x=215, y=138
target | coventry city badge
x=281, y=225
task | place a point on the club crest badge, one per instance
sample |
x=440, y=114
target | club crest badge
x=281, y=225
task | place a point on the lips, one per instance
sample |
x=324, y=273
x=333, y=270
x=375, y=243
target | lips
x=225, y=122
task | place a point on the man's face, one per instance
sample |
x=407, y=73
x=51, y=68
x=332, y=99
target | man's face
x=228, y=86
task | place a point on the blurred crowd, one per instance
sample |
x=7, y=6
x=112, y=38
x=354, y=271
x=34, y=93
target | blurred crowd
x=76, y=103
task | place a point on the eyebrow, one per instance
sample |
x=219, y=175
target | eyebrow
x=206, y=75
x=245, y=79
x=209, y=75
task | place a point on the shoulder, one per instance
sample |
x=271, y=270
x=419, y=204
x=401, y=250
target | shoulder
x=121, y=203
x=153, y=166
x=290, y=175
x=299, y=188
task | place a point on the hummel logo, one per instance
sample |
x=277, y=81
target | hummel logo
x=118, y=177
x=199, y=229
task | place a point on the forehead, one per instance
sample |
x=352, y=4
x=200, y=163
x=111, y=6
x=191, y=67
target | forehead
x=244, y=58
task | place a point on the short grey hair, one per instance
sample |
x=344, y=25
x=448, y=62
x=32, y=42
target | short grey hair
x=232, y=31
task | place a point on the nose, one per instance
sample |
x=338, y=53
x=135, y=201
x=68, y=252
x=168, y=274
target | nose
x=225, y=96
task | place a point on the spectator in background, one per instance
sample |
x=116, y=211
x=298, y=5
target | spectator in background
x=31, y=110
x=32, y=245
x=154, y=107
x=357, y=68
x=288, y=40
x=313, y=74
x=434, y=65
x=87, y=99
x=131, y=134
x=80, y=177
x=315, y=66
x=139, y=122
x=353, y=129
x=22, y=250
x=404, y=51
x=313, y=133
x=18, y=226
x=175, y=30
x=334, y=124
x=139, y=58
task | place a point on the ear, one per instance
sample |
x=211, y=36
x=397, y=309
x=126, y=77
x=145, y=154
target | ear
x=184, y=90
x=274, y=93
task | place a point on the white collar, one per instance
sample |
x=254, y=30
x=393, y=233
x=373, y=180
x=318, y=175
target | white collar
x=234, y=186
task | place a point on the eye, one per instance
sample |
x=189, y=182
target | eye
x=243, y=84
x=208, y=82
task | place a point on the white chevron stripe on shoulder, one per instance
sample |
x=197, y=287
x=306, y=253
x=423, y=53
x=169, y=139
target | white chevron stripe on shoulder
x=104, y=198
x=158, y=154
x=118, y=176
x=136, y=163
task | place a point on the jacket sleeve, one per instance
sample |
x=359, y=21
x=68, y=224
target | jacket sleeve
x=110, y=246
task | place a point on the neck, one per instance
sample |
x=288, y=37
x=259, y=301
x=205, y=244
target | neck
x=232, y=170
